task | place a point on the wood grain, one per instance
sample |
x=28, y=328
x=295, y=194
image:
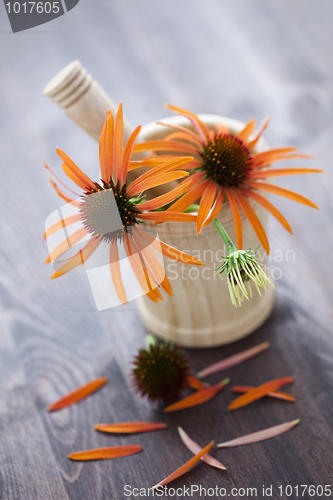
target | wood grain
x=241, y=59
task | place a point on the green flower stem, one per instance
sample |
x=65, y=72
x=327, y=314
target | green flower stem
x=222, y=232
x=225, y=236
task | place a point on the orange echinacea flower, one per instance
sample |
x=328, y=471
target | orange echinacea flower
x=96, y=213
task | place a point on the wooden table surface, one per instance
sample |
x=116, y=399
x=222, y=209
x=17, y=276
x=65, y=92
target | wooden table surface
x=241, y=59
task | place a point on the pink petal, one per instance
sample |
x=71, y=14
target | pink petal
x=255, y=437
x=195, y=448
x=236, y=359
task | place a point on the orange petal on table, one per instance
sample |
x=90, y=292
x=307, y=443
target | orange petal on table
x=105, y=147
x=278, y=172
x=270, y=188
x=216, y=207
x=275, y=394
x=197, y=398
x=78, y=394
x=155, y=180
x=115, y=272
x=195, y=448
x=255, y=437
x=259, y=392
x=206, y=203
x=130, y=427
x=166, y=198
x=234, y=360
x=168, y=216
x=61, y=224
x=105, y=453
x=164, y=146
x=79, y=258
x=268, y=205
x=196, y=384
x=76, y=170
x=236, y=217
x=252, y=218
x=244, y=134
x=186, y=467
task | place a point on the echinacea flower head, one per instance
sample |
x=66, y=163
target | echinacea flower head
x=160, y=372
x=239, y=269
x=101, y=204
x=225, y=164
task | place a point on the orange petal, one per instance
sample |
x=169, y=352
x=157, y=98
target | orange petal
x=199, y=126
x=115, y=272
x=68, y=243
x=259, y=392
x=266, y=161
x=277, y=172
x=166, y=198
x=195, y=192
x=168, y=250
x=270, y=188
x=195, y=448
x=76, y=170
x=216, y=207
x=186, y=467
x=78, y=394
x=104, y=453
x=61, y=193
x=61, y=224
x=180, y=147
x=252, y=218
x=268, y=205
x=130, y=427
x=206, y=203
x=117, y=150
x=259, y=132
x=183, y=129
x=155, y=180
x=183, y=136
x=236, y=216
x=222, y=129
x=197, y=398
x=79, y=259
x=168, y=216
x=255, y=437
x=105, y=148
x=196, y=384
x=127, y=154
x=244, y=134
x=74, y=177
x=275, y=394
x=271, y=154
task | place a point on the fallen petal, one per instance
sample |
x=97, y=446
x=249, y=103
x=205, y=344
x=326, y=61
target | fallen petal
x=197, y=398
x=195, y=448
x=196, y=384
x=275, y=394
x=255, y=437
x=236, y=359
x=78, y=394
x=259, y=392
x=130, y=427
x=186, y=467
x=104, y=453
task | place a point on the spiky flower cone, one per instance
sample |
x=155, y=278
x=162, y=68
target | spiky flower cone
x=160, y=372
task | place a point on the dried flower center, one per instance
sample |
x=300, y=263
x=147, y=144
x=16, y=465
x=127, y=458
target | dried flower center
x=108, y=212
x=226, y=160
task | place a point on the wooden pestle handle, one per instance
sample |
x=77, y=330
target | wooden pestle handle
x=85, y=102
